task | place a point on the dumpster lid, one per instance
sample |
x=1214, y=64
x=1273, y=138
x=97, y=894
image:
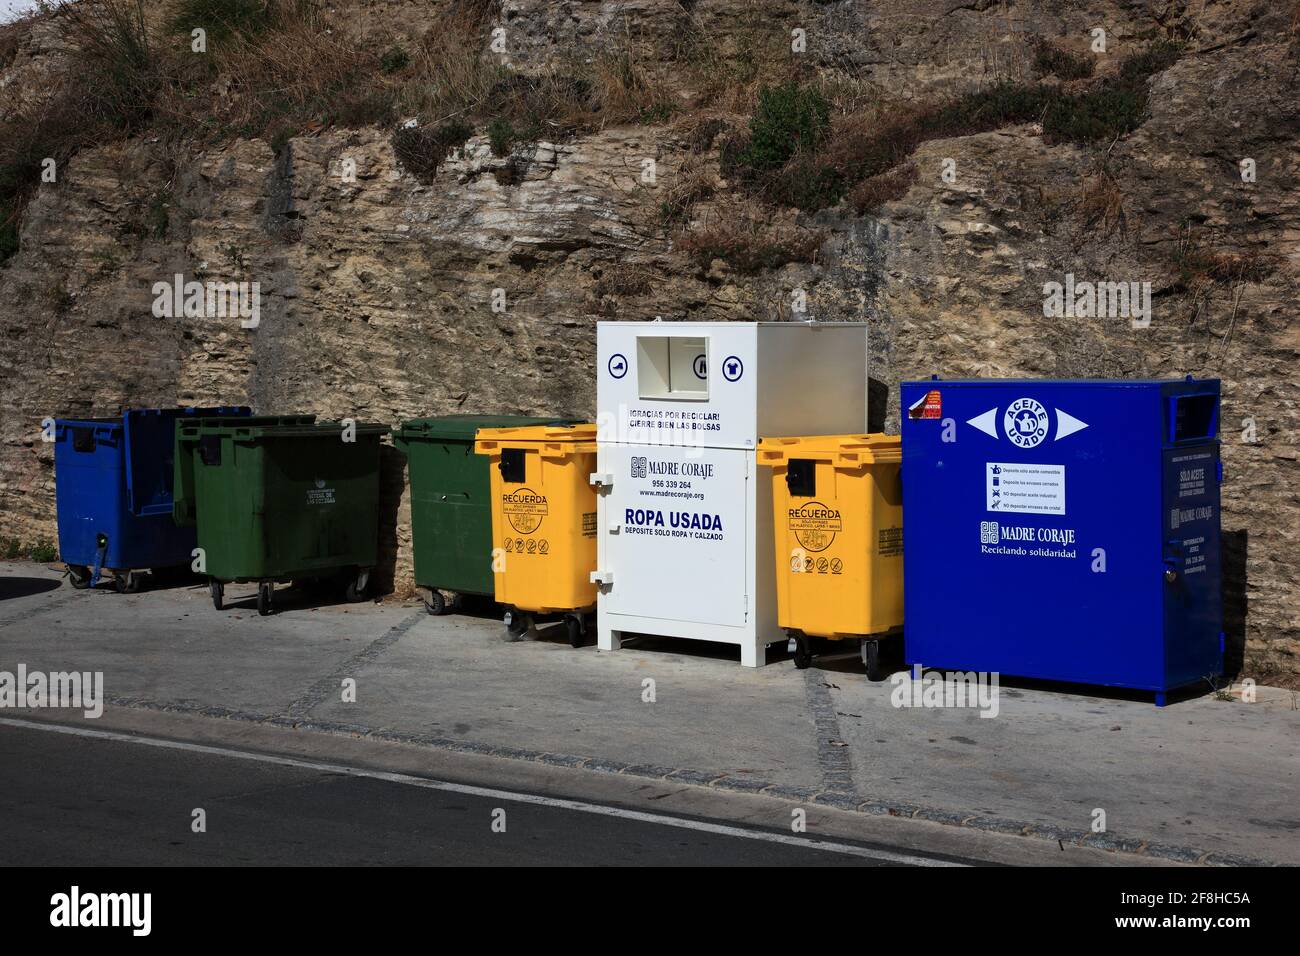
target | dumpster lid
x=277, y=426
x=252, y=421
x=529, y=435
x=937, y=382
x=870, y=449
x=464, y=427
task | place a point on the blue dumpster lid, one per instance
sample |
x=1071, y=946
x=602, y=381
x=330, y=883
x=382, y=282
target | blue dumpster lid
x=1052, y=382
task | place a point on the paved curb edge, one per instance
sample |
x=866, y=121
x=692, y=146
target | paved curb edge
x=839, y=799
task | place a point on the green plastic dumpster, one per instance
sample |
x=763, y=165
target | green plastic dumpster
x=280, y=499
x=451, y=507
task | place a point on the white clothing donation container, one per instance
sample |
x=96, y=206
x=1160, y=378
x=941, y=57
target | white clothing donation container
x=684, y=516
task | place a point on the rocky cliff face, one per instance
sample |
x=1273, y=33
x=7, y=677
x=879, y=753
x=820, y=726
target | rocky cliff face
x=378, y=286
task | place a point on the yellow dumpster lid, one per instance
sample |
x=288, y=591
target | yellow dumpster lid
x=530, y=436
x=841, y=449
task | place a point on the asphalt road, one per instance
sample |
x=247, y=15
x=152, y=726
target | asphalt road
x=78, y=800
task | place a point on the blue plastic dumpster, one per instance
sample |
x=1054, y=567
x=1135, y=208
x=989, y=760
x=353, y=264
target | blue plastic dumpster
x=1064, y=530
x=113, y=489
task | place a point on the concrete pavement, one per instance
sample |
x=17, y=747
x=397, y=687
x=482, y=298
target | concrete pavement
x=1203, y=779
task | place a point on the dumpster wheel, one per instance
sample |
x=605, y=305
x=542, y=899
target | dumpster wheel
x=79, y=576
x=802, y=650
x=264, y=592
x=218, y=592
x=577, y=634
x=435, y=603
x=871, y=659
x=517, y=624
x=127, y=582
x=355, y=590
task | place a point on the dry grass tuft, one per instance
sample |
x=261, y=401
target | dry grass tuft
x=627, y=92
x=1203, y=262
x=749, y=240
x=693, y=183
x=1101, y=203
x=726, y=73
x=869, y=195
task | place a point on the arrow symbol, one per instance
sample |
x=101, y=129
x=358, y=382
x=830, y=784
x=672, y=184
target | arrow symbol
x=1067, y=424
x=987, y=422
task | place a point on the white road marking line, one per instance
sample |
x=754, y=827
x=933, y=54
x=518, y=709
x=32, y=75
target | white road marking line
x=580, y=806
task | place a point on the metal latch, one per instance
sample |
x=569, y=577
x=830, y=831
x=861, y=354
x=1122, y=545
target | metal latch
x=601, y=479
x=602, y=577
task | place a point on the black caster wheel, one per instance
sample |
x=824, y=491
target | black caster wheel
x=802, y=651
x=871, y=658
x=264, y=590
x=218, y=592
x=355, y=590
x=79, y=576
x=435, y=603
x=127, y=582
x=516, y=625
x=573, y=625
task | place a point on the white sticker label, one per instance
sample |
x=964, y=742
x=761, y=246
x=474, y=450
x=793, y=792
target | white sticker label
x=1024, y=489
x=320, y=496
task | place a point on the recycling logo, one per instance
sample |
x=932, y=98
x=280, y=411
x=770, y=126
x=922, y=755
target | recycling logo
x=815, y=525
x=1025, y=423
x=524, y=509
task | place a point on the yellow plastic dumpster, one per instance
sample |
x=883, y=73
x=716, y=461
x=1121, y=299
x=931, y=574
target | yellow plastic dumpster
x=838, y=507
x=543, y=523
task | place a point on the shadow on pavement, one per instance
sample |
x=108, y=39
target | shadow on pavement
x=684, y=647
x=299, y=596
x=24, y=587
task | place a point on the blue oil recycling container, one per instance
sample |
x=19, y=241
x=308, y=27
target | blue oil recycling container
x=1064, y=530
x=113, y=489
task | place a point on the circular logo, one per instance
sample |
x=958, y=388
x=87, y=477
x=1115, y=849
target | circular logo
x=1025, y=423
x=701, y=367
x=617, y=365
x=732, y=368
x=815, y=525
x=524, y=509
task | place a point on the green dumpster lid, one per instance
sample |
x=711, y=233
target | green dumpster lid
x=249, y=421
x=463, y=427
x=276, y=426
